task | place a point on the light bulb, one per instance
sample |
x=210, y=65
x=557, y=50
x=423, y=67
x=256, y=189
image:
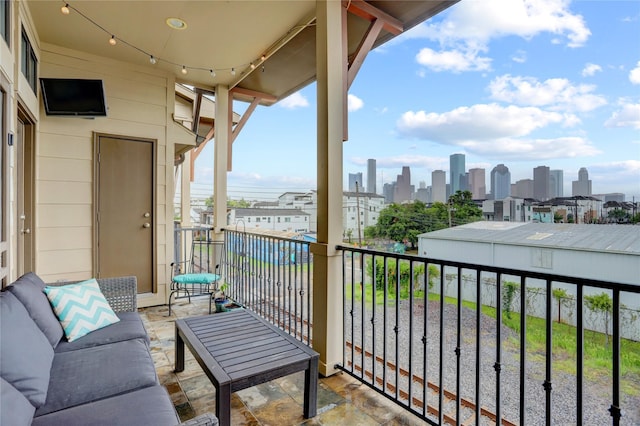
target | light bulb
x=233, y=71
x=112, y=40
x=213, y=73
x=262, y=58
x=65, y=9
x=184, y=70
x=153, y=60
x=253, y=67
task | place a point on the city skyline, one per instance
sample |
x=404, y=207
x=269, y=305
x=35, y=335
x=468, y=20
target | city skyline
x=523, y=84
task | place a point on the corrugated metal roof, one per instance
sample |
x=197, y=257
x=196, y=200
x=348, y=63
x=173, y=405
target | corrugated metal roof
x=609, y=238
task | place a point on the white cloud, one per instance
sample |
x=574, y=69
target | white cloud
x=398, y=161
x=478, y=122
x=590, y=70
x=555, y=93
x=496, y=131
x=520, y=57
x=634, y=74
x=471, y=25
x=296, y=100
x=354, y=103
x=453, y=60
x=485, y=20
x=627, y=116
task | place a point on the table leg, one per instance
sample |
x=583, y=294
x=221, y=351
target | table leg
x=179, y=353
x=223, y=404
x=311, y=389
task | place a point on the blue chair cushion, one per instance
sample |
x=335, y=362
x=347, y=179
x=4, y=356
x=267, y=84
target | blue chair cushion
x=196, y=278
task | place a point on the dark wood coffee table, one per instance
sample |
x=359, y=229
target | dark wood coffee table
x=238, y=349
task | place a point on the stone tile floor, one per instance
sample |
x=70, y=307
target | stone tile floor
x=341, y=399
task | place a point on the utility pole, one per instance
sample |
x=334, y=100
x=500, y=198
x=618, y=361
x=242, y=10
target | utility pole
x=358, y=214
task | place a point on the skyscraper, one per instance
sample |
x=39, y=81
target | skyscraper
x=582, y=186
x=556, y=182
x=477, y=184
x=438, y=186
x=500, y=182
x=456, y=172
x=403, y=186
x=353, y=178
x=371, y=175
x=541, y=183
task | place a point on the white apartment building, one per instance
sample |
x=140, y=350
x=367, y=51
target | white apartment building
x=285, y=220
x=360, y=210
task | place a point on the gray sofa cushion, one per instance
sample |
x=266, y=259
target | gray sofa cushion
x=25, y=353
x=129, y=327
x=91, y=374
x=28, y=289
x=148, y=406
x=15, y=409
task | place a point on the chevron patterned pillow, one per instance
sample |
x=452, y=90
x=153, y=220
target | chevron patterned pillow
x=81, y=308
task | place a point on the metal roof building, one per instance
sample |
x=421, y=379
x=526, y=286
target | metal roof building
x=604, y=252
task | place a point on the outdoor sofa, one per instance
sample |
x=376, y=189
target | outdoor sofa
x=106, y=377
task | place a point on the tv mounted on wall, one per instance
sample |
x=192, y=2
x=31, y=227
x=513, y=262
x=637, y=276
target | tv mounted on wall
x=73, y=97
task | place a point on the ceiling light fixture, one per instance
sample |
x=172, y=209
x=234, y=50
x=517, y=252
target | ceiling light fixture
x=233, y=71
x=113, y=41
x=184, y=69
x=153, y=60
x=176, y=23
x=65, y=9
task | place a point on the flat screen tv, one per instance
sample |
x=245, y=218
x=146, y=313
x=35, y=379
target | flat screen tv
x=73, y=97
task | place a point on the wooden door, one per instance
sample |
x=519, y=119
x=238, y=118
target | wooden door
x=125, y=200
x=25, y=199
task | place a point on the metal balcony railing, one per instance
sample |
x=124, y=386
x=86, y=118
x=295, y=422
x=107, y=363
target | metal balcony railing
x=272, y=277
x=458, y=343
x=454, y=343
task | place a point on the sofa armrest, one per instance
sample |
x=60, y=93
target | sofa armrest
x=206, y=419
x=120, y=292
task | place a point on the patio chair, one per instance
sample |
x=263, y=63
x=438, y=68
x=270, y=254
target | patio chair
x=191, y=278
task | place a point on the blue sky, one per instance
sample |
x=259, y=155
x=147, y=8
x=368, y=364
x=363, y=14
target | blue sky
x=523, y=83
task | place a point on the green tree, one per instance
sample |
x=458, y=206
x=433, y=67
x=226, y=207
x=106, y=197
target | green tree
x=241, y=204
x=509, y=291
x=601, y=305
x=562, y=297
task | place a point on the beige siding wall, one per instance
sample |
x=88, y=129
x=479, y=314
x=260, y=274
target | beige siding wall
x=140, y=104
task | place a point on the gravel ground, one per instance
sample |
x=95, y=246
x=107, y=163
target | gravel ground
x=597, y=395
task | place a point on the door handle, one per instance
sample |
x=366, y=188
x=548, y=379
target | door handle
x=146, y=225
x=147, y=214
x=25, y=231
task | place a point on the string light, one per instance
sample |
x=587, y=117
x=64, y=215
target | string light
x=66, y=10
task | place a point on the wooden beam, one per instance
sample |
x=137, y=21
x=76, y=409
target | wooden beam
x=253, y=94
x=364, y=48
x=345, y=77
x=366, y=11
x=196, y=113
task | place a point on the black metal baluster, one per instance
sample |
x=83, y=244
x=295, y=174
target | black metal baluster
x=523, y=347
x=615, y=410
x=478, y=341
x=579, y=355
x=458, y=345
x=441, y=355
x=397, y=327
x=373, y=317
x=549, y=340
x=498, y=364
x=410, y=331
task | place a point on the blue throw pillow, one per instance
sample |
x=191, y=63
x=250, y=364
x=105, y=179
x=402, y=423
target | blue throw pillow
x=81, y=308
x=196, y=278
